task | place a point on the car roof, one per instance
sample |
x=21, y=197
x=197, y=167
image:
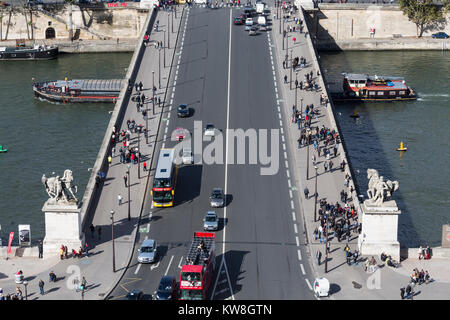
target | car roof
x=211, y=213
x=217, y=190
x=148, y=243
x=209, y=125
x=166, y=280
x=182, y=106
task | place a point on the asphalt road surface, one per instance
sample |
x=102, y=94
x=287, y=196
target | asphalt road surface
x=256, y=252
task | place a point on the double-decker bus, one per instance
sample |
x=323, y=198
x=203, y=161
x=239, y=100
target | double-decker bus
x=163, y=190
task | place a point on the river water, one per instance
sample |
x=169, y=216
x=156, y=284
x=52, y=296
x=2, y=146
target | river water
x=423, y=171
x=43, y=137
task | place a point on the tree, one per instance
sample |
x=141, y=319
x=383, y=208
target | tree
x=424, y=13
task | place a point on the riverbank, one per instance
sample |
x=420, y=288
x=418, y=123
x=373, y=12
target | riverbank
x=394, y=43
x=84, y=46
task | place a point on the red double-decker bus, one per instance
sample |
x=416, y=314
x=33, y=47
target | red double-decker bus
x=198, y=270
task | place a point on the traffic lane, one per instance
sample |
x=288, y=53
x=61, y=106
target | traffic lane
x=186, y=217
x=261, y=231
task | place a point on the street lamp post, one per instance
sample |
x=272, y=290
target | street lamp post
x=296, y=85
x=315, y=196
x=153, y=92
x=326, y=249
x=171, y=13
x=25, y=283
x=168, y=32
x=112, y=237
x=301, y=113
x=129, y=200
x=164, y=48
x=307, y=159
x=290, y=73
x=159, y=68
x=139, y=158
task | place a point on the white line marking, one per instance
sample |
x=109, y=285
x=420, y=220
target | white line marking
x=303, y=268
x=284, y=147
x=170, y=262
x=179, y=264
x=288, y=174
x=289, y=183
x=148, y=227
x=282, y=138
x=282, y=131
x=295, y=228
x=163, y=143
x=292, y=204
x=309, y=284
x=281, y=123
x=285, y=154
x=298, y=244
x=290, y=194
x=286, y=164
x=137, y=269
x=293, y=216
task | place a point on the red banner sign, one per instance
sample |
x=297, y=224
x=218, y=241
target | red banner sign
x=11, y=236
x=115, y=5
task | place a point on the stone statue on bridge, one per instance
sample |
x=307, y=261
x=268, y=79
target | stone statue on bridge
x=379, y=190
x=60, y=190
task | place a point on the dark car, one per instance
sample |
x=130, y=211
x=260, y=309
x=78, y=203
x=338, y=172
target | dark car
x=439, y=35
x=248, y=11
x=183, y=110
x=135, y=295
x=167, y=289
x=239, y=21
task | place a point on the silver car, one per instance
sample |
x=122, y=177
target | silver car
x=211, y=221
x=147, y=252
x=217, y=198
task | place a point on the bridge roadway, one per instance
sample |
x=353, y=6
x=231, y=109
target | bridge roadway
x=256, y=234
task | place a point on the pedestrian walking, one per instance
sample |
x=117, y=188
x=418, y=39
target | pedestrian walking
x=285, y=79
x=318, y=256
x=119, y=197
x=145, y=166
x=41, y=286
x=86, y=248
x=355, y=257
x=328, y=246
x=65, y=252
x=125, y=180
x=41, y=249
x=83, y=284
x=325, y=166
x=349, y=257
x=306, y=191
x=284, y=64
x=99, y=233
x=109, y=160
x=402, y=293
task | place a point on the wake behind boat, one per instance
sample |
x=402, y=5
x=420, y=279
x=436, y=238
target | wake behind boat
x=84, y=90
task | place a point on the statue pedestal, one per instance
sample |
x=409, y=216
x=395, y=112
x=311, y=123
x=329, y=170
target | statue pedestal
x=379, y=230
x=62, y=227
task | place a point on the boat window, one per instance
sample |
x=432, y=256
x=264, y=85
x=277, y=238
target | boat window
x=380, y=93
x=362, y=81
x=371, y=93
x=392, y=93
x=402, y=92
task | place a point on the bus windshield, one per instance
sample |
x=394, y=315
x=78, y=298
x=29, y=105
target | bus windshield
x=191, y=295
x=162, y=196
x=190, y=276
x=162, y=183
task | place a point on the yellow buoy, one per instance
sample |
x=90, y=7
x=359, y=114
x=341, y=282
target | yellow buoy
x=355, y=114
x=402, y=148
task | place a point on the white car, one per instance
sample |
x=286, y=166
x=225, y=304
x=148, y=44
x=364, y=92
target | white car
x=249, y=21
x=187, y=157
x=210, y=130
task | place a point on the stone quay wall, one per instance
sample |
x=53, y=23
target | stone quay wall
x=346, y=27
x=87, y=23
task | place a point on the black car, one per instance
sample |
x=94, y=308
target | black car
x=248, y=11
x=167, y=289
x=239, y=21
x=135, y=295
x=183, y=110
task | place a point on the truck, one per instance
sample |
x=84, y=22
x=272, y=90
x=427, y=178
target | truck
x=260, y=7
x=197, y=272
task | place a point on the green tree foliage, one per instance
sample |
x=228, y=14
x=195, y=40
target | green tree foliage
x=424, y=13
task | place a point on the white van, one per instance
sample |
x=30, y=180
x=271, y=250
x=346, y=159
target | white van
x=262, y=21
x=259, y=7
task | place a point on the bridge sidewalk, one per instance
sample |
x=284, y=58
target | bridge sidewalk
x=345, y=279
x=97, y=268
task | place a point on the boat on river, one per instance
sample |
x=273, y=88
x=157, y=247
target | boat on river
x=84, y=90
x=362, y=87
x=36, y=52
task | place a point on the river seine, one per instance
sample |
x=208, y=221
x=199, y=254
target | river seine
x=43, y=137
x=423, y=171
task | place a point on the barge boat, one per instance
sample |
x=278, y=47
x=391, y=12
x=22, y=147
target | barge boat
x=37, y=52
x=362, y=87
x=69, y=91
